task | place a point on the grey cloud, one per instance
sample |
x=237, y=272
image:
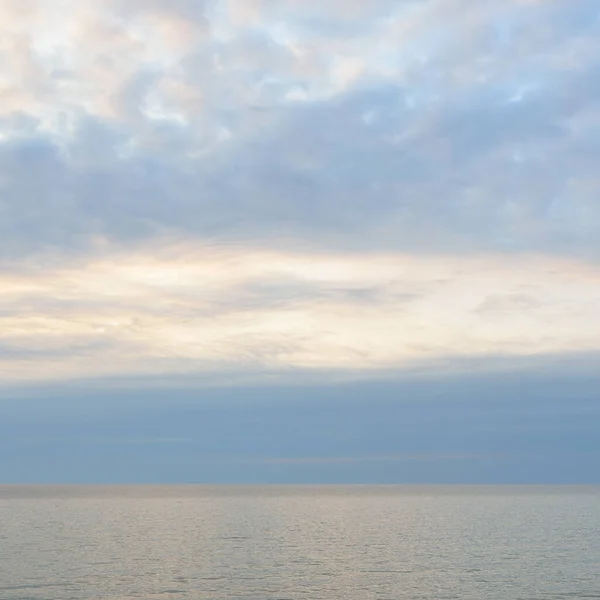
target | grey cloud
x=36, y=349
x=508, y=303
x=324, y=460
x=536, y=424
x=286, y=292
x=129, y=440
x=193, y=11
x=438, y=159
x=554, y=376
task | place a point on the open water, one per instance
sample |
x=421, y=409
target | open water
x=267, y=543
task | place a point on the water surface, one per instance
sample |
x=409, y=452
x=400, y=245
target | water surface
x=267, y=543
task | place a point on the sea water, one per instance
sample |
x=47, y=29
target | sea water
x=267, y=543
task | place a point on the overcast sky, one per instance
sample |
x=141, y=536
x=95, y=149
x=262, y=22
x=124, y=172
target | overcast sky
x=259, y=240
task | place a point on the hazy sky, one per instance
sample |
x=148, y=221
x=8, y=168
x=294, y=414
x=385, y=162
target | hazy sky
x=289, y=240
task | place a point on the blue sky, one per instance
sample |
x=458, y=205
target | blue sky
x=289, y=241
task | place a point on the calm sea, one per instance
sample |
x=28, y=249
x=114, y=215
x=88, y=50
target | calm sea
x=353, y=543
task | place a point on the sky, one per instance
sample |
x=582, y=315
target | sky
x=293, y=241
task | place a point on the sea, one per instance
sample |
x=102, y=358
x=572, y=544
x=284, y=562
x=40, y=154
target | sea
x=299, y=542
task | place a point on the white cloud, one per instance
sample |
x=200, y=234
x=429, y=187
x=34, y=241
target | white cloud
x=343, y=158
x=200, y=309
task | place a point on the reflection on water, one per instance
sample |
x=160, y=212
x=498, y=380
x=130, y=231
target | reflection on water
x=299, y=542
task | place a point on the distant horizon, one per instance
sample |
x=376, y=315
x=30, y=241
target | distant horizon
x=305, y=485
x=450, y=430
x=24, y=490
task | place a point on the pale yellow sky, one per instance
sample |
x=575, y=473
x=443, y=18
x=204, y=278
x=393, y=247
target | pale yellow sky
x=201, y=308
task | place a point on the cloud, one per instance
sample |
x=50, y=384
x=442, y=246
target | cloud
x=111, y=441
x=172, y=309
x=422, y=126
x=342, y=185
x=540, y=425
x=332, y=460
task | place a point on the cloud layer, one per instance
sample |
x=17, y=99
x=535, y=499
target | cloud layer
x=191, y=187
x=202, y=309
